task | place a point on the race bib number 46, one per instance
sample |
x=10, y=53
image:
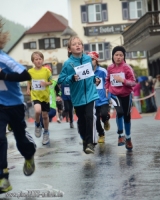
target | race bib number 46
x=84, y=71
x=36, y=85
x=114, y=82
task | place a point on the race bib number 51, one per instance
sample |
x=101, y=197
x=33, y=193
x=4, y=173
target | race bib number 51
x=84, y=71
x=36, y=85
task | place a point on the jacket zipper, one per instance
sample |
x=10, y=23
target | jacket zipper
x=84, y=81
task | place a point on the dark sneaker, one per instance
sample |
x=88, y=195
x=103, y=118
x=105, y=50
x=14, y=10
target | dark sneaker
x=5, y=185
x=29, y=166
x=121, y=140
x=89, y=149
x=106, y=125
x=71, y=125
x=129, y=145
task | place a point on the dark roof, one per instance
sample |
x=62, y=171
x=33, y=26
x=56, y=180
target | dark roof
x=49, y=22
x=68, y=31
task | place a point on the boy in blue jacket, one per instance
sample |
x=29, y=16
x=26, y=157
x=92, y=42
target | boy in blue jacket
x=102, y=104
x=78, y=72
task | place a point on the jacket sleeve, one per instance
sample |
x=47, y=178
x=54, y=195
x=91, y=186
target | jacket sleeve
x=65, y=77
x=130, y=78
x=15, y=77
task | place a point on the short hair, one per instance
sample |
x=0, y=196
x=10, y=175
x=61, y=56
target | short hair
x=69, y=43
x=36, y=53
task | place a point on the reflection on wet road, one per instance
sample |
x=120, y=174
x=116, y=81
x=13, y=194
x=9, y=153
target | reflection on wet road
x=112, y=173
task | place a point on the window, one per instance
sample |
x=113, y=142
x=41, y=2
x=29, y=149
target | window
x=30, y=45
x=102, y=48
x=94, y=13
x=65, y=42
x=49, y=43
x=138, y=54
x=132, y=9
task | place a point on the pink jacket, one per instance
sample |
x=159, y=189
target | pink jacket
x=137, y=90
x=129, y=80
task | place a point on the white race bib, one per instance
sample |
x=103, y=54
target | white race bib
x=84, y=71
x=114, y=82
x=66, y=90
x=3, y=86
x=100, y=86
x=36, y=85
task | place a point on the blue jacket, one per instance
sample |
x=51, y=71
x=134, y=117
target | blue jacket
x=64, y=96
x=83, y=91
x=101, y=73
x=10, y=92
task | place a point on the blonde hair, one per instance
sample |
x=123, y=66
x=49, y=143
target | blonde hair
x=4, y=36
x=36, y=53
x=69, y=43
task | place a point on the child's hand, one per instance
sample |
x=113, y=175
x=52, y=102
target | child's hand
x=58, y=98
x=28, y=92
x=76, y=77
x=106, y=92
x=43, y=83
x=118, y=78
x=97, y=81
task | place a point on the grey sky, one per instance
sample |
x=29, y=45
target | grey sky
x=28, y=12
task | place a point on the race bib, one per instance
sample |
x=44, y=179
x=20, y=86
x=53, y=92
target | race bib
x=114, y=82
x=100, y=86
x=66, y=90
x=36, y=85
x=84, y=71
x=3, y=86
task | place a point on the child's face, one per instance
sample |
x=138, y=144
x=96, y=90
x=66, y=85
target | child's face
x=38, y=61
x=94, y=62
x=76, y=47
x=118, y=57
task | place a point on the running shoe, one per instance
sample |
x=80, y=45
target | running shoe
x=89, y=149
x=45, y=138
x=129, y=145
x=29, y=166
x=5, y=185
x=106, y=125
x=58, y=120
x=38, y=130
x=101, y=139
x=121, y=140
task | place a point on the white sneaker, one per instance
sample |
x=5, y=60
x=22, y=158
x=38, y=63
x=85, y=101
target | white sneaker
x=38, y=131
x=45, y=138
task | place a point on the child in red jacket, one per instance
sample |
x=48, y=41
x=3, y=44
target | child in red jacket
x=119, y=83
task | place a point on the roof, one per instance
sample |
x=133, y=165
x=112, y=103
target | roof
x=49, y=22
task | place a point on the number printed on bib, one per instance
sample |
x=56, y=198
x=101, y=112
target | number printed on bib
x=100, y=86
x=66, y=90
x=36, y=85
x=84, y=71
x=114, y=82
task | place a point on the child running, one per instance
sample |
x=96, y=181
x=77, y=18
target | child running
x=102, y=104
x=40, y=80
x=120, y=80
x=12, y=112
x=77, y=71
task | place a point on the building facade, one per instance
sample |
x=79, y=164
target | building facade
x=100, y=24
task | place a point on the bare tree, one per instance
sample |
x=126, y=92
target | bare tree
x=4, y=36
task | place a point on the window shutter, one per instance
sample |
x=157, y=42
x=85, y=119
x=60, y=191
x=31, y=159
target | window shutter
x=125, y=10
x=107, y=51
x=104, y=12
x=41, y=43
x=84, y=17
x=26, y=45
x=128, y=55
x=86, y=48
x=57, y=42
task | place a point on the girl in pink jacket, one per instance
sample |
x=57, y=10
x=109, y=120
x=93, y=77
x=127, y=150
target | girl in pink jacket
x=119, y=83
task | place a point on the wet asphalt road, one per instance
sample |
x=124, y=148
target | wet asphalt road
x=112, y=173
